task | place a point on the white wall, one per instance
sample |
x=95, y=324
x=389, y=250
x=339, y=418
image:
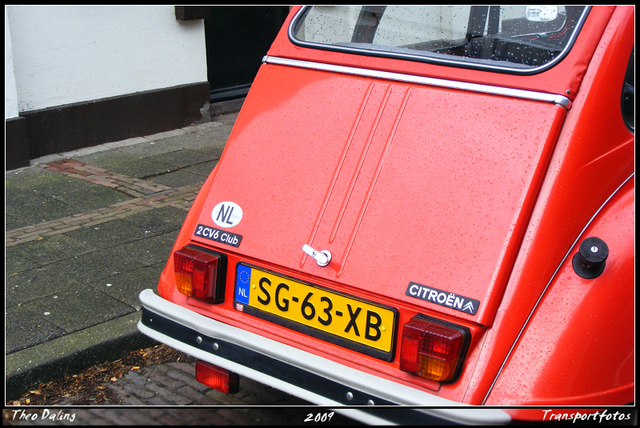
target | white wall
x=11, y=95
x=70, y=54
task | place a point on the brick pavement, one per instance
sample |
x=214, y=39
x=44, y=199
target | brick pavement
x=181, y=198
x=131, y=186
x=147, y=196
x=159, y=394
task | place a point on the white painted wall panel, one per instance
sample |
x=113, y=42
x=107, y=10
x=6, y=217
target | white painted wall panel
x=70, y=54
x=10, y=93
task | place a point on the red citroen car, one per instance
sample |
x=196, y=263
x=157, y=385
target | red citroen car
x=428, y=206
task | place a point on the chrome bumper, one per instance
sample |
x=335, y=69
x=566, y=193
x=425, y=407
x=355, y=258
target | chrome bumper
x=297, y=372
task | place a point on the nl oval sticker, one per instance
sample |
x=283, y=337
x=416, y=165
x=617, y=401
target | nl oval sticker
x=226, y=214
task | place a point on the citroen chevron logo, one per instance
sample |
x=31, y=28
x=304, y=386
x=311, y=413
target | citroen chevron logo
x=443, y=298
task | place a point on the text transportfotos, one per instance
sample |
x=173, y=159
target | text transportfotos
x=550, y=415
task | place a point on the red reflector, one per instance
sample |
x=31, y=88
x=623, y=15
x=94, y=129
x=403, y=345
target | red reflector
x=216, y=377
x=432, y=348
x=199, y=274
x=410, y=354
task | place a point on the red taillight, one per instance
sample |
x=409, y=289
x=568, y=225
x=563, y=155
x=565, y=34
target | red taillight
x=216, y=377
x=199, y=274
x=432, y=348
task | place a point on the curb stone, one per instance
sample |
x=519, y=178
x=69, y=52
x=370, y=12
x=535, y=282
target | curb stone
x=72, y=353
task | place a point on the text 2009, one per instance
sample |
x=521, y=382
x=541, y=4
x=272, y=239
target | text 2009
x=319, y=417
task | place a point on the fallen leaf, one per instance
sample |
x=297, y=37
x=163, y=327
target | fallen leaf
x=89, y=387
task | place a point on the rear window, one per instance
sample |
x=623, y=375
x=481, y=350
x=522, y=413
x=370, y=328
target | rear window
x=520, y=39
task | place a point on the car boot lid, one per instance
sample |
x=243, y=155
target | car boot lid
x=416, y=193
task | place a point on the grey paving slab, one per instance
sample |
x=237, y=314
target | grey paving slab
x=30, y=178
x=80, y=194
x=93, y=268
x=36, y=182
x=211, y=152
x=178, y=178
x=143, y=168
x=23, y=287
x=149, y=148
x=127, y=164
x=158, y=221
x=15, y=262
x=147, y=252
x=107, y=158
x=192, y=140
x=77, y=309
x=62, y=186
x=125, y=287
x=203, y=169
x=182, y=158
x=25, y=330
x=215, y=137
x=108, y=234
x=91, y=196
x=34, y=195
x=52, y=248
x=11, y=222
x=29, y=208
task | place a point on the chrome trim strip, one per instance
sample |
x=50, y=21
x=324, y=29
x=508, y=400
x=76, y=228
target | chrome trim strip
x=436, y=60
x=544, y=291
x=559, y=100
x=309, y=362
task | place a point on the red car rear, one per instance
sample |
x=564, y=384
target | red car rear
x=424, y=205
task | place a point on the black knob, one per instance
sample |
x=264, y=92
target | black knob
x=590, y=260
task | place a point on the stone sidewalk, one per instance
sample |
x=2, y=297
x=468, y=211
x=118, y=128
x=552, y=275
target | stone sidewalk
x=86, y=231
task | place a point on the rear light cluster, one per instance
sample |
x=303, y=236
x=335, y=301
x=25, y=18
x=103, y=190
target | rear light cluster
x=200, y=274
x=433, y=349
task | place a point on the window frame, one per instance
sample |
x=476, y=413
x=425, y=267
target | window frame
x=467, y=63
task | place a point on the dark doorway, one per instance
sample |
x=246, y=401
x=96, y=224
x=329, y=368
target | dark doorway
x=237, y=38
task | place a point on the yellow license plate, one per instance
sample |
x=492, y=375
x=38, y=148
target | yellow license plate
x=335, y=317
